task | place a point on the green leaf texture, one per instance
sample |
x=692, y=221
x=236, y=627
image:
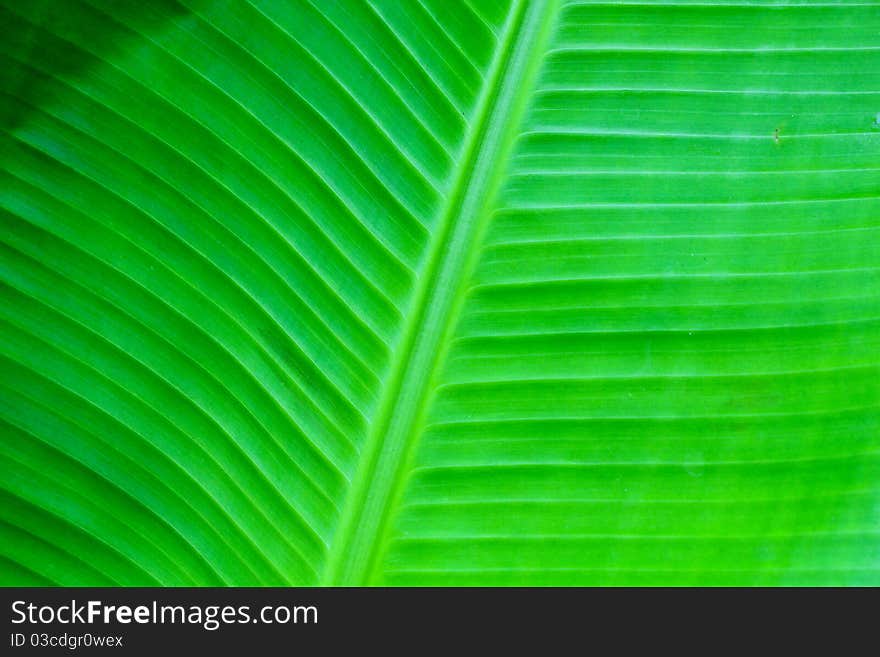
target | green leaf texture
x=440, y=292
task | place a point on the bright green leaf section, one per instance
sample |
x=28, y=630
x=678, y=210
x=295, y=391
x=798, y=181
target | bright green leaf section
x=460, y=292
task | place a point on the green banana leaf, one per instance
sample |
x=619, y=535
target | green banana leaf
x=440, y=292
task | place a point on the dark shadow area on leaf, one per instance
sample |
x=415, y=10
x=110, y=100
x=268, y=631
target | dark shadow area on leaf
x=39, y=45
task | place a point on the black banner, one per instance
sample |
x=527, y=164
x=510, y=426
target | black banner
x=270, y=621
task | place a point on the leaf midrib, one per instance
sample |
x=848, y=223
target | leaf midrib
x=440, y=289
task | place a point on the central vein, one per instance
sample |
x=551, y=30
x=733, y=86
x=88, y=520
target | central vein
x=397, y=425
